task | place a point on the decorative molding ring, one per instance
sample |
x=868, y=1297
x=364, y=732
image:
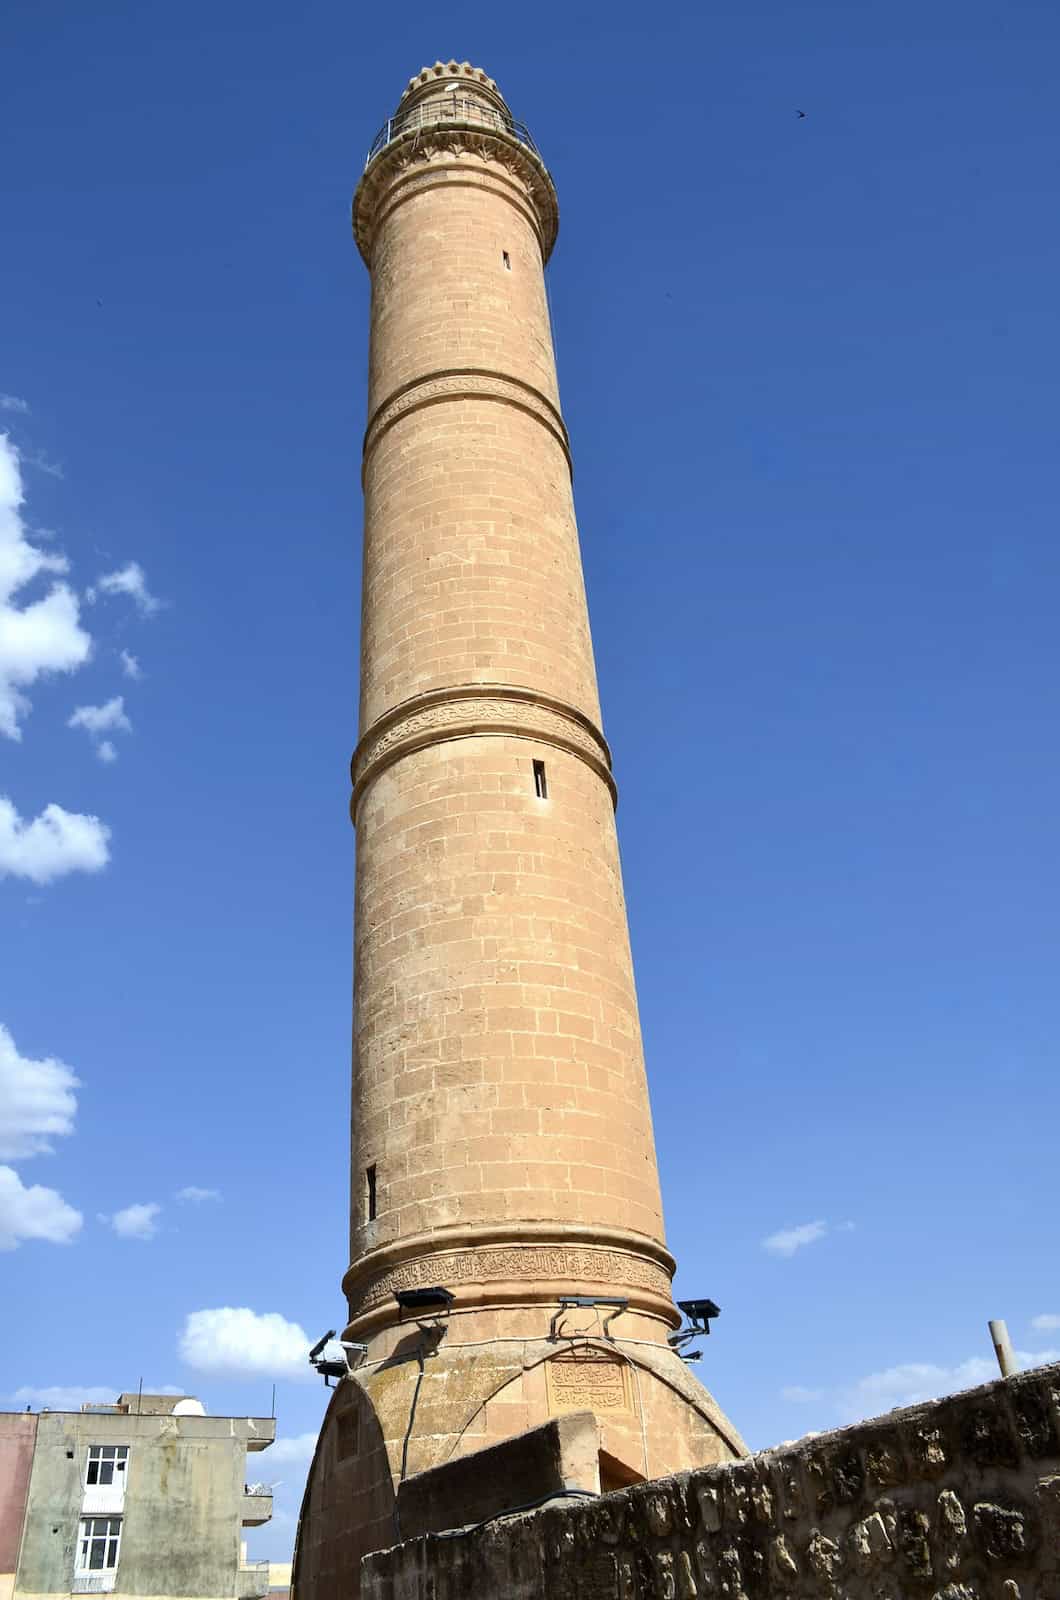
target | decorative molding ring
x=511, y=1265
x=421, y=145
x=470, y=710
x=464, y=383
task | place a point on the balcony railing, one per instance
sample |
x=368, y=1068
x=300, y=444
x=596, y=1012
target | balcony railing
x=452, y=108
x=257, y=1505
x=252, y=1580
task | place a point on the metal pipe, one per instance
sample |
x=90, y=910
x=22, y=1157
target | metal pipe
x=1006, y=1356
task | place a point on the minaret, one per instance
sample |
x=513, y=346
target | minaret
x=502, y=1145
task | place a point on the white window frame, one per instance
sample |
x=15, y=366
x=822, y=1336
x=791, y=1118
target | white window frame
x=87, y=1537
x=102, y=1456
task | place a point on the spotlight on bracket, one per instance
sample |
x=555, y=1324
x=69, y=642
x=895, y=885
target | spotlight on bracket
x=699, y=1314
x=436, y=1299
x=327, y=1369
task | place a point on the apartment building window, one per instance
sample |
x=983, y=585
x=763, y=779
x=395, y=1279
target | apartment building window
x=98, y=1544
x=105, y=1461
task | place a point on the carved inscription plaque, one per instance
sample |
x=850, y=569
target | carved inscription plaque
x=588, y=1380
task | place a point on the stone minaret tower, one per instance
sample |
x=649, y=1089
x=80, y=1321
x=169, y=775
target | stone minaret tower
x=502, y=1143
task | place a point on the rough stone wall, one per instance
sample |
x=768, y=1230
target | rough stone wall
x=958, y=1499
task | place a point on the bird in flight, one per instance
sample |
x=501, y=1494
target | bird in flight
x=800, y=114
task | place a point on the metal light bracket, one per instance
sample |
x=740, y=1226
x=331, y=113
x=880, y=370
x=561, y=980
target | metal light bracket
x=569, y=1302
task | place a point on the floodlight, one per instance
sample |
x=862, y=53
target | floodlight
x=699, y=1312
x=434, y=1299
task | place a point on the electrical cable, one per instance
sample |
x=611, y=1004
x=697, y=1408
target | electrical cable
x=513, y=1511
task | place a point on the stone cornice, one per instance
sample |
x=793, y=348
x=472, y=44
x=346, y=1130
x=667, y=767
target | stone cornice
x=419, y=146
x=431, y=79
x=483, y=1264
x=464, y=383
x=472, y=709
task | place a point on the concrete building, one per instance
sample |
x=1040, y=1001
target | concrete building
x=507, y=1255
x=145, y=1497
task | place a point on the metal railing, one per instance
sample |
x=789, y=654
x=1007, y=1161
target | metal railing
x=448, y=110
x=252, y=1579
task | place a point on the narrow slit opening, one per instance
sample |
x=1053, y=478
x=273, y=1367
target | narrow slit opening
x=370, y=1191
x=506, y=258
x=540, y=781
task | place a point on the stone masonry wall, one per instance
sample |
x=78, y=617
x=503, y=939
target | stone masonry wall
x=958, y=1499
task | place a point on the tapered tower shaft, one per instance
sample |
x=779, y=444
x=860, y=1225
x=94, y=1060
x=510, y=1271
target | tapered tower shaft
x=498, y=1079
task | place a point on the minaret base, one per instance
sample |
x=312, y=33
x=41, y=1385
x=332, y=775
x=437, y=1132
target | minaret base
x=446, y=1389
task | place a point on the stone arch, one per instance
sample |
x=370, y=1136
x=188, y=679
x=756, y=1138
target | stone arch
x=648, y=1403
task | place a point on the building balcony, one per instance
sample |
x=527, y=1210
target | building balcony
x=261, y=1431
x=257, y=1505
x=452, y=111
x=252, y=1580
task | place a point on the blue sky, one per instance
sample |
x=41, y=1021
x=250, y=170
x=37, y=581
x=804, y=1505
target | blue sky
x=809, y=368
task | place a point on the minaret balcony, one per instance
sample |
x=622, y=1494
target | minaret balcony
x=450, y=111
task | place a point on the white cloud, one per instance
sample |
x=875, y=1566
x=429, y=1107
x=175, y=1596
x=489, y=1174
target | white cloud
x=799, y=1395
x=130, y=665
x=108, y=718
x=195, y=1196
x=71, y=1397
x=295, y=1451
x=236, y=1340
x=137, y=1221
x=788, y=1240
x=97, y=719
x=1036, y=1358
x=44, y=463
x=44, y=635
x=68, y=1397
x=1046, y=1322
x=37, y=1101
x=33, y=1213
x=131, y=580
x=11, y=402
x=913, y=1381
x=53, y=844
x=909, y=1383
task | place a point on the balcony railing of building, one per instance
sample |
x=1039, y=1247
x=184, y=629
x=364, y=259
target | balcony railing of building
x=257, y=1505
x=252, y=1580
x=446, y=111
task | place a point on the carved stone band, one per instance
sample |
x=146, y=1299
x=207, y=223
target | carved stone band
x=530, y=1270
x=421, y=146
x=465, y=383
x=468, y=711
